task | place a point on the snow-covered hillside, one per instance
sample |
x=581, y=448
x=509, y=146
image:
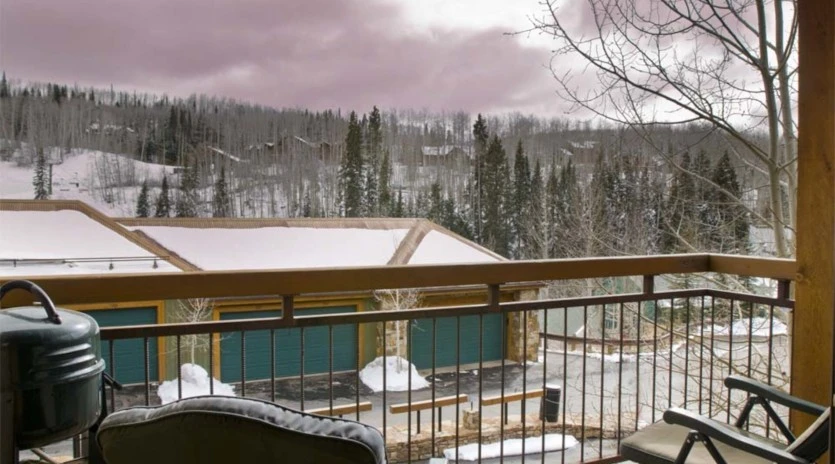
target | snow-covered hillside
x=106, y=181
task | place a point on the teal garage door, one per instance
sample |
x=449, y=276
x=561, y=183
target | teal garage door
x=288, y=350
x=129, y=362
x=447, y=338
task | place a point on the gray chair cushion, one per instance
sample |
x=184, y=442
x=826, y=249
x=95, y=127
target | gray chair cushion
x=661, y=442
x=223, y=430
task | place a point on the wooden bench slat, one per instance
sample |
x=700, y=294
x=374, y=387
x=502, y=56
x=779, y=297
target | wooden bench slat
x=428, y=404
x=511, y=397
x=341, y=410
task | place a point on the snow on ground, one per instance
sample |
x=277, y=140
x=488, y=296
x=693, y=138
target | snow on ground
x=397, y=372
x=757, y=327
x=532, y=445
x=615, y=357
x=195, y=382
x=278, y=247
x=438, y=248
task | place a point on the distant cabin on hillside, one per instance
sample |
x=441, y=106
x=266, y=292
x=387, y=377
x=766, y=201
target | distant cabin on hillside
x=443, y=155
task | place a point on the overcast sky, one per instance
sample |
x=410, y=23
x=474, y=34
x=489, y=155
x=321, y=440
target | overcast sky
x=349, y=54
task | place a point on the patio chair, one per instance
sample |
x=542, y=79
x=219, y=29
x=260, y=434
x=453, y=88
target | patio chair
x=224, y=430
x=673, y=440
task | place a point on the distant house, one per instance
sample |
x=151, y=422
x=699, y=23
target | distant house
x=579, y=153
x=68, y=237
x=253, y=244
x=443, y=155
x=325, y=151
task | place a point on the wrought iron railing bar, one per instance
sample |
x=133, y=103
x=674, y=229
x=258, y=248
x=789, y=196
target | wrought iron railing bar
x=620, y=375
x=243, y=364
x=301, y=367
x=356, y=374
x=480, y=381
x=670, y=360
x=434, y=381
x=385, y=384
x=638, y=367
x=458, y=384
x=654, y=356
x=542, y=408
x=272, y=365
x=112, y=374
x=730, y=356
x=212, y=362
x=770, y=361
x=712, y=354
x=179, y=370
x=146, y=351
x=686, y=370
x=701, y=354
x=583, y=388
x=564, y=375
x=330, y=371
x=409, y=392
x=523, y=406
x=604, y=309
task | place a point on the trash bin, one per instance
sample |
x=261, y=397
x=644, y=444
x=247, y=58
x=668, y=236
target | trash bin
x=550, y=406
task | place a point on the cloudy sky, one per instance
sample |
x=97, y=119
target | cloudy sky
x=350, y=54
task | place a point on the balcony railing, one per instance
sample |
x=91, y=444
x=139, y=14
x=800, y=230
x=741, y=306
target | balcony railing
x=618, y=360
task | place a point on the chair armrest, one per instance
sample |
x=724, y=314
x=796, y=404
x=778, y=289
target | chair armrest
x=728, y=435
x=773, y=394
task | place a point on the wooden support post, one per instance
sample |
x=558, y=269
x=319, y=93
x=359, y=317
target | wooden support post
x=815, y=296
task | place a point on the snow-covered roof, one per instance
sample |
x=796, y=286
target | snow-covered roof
x=55, y=238
x=442, y=150
x=249, y=244
x=230, y=156
x=585, y=144
x=439, y=248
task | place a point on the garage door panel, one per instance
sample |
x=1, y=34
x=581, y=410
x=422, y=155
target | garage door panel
x=446, y=331
x=128, y=361
x=288, y=347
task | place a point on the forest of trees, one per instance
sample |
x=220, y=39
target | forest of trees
x=528, y=187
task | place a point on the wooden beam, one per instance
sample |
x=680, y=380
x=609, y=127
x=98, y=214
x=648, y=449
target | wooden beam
x=815, y=299
x=428, y=404
x=512, y=397
x=341, y=410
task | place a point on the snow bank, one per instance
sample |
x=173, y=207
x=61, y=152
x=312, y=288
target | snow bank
x=397, y=375
x=553, y=442
x=758, y=327
x=195, y=381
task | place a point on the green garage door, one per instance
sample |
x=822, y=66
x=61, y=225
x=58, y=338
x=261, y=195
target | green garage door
x=446, y=340
x=288, y=347
x=129, y=354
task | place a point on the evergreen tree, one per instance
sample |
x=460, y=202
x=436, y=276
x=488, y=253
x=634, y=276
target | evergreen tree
x=552, y=214
x=497, y=191
x=533, y=219
x=521, y=198
x=143, y=208
x=702, y=197
x=372, y=168
x=221, y=203
x=733, y=223
x=40, y=178
x=398, y=210
x=4, y=87
x=189, y=183
x=163, y=206
x=386, y=200
x=350, y=172
x=307, y=209
x=476, y=193
x=436, y=204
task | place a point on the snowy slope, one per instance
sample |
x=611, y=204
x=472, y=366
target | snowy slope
x=105, y=181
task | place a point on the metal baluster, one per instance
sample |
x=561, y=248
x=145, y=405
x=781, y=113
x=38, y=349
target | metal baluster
x=243, y=363
x=147, y=353
x=272, y=365
x=179, y=367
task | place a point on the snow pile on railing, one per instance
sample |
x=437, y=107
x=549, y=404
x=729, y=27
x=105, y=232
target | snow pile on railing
x=195, y=382
x=397, y=372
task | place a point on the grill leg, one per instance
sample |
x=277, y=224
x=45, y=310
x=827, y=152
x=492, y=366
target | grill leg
x=8, y=447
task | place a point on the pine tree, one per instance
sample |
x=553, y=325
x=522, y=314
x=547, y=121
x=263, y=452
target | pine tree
x=221, y=204
x=372, y=168
x=436, y=204
x=350, y=172
x=40, y=180
x=733, y=223
x=398, y=207
x=476, y=193
x=163, y=206
x=521, y=198
x=307, y=209
x=4, y=87
x=143, y=209
x=189, y=183
x=533, y=219
x=679, y=231
x=386, y=200
x=496, y=231
x=552, y=214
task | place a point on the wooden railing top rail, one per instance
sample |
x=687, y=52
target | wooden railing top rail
x=107, y=288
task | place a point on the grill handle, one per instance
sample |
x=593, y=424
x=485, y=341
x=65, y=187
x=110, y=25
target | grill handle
x=30, y=287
